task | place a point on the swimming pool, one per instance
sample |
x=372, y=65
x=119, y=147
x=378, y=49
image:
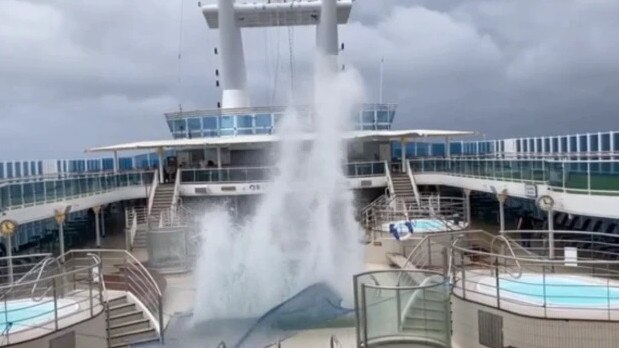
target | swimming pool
x=421, y=226
x=556, y=290
x=27, y=313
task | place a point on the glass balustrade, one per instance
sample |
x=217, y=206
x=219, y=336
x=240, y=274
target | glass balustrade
x=576, y=176
x=257, y=174
x=42, y=190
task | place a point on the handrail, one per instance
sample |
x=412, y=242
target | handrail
x=45, y=263
x=334, y=342
x=176, y=194
x=389, y=180
x=417, y=247
x=152, y=193
x=506, y=241
x=411, y=177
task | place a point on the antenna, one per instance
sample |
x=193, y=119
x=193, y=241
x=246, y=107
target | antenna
x=380, y=87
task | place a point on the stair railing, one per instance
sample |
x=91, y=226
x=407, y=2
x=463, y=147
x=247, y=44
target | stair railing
x=152, y=193
x=389, y=180
x=411, y=177
x=334, y=342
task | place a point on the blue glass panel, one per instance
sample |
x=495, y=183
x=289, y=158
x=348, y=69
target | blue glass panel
x=547, y=144
x=17, y=167
x=33, y=168
x=438, y=149
x=383, y=126
x=194, y=124
x=227, y=122
x=180, y=126
x=555, y=144
x=539, y=144
x=9, y=170
x=563, y=144
x=367, y=126
x=108, y=164
x=277, y=117
x=263, y=120
x=40, y=165
x=382, y=116
x=518, y=146
x=605, y=142
x=367, y=116
x=593, y=143
x=2, y=170
x=244, y=121
x=227, y=132
x=455, y=148
x=210, y=123
x=583, y=144
x=25, y=168
x=170, y=125
x=573, y=144
x=525, y=145
x=616, y=141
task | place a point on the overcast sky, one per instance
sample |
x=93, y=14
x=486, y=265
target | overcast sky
x=76, y=73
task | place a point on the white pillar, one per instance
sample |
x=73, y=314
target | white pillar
x=61, y=236
x=160, y=153
x=103, y=221
x=233, y=74
x=218, y=157
x=502, y=197
x=116, y=166
x=403, y=154
x=327, y=37
x=97, y=210
x=447, y=147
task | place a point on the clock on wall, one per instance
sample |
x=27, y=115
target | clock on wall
x=546, y=203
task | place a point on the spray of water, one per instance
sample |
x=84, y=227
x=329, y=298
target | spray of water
x=303, y=232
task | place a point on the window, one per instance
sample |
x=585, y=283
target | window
x=606, y=142
x=194, y=124
x=518, y=146
x=525, y=145
x=573, y=144
x=547, y=145
x=593, y=143
x=244, y=121
x=180, y=127
x=263, y=120
x=2, y=171
x=583, y=144
x=227, y=122
x=367, y=117
x=17, y=167
x=455, y=148
x=616, y=141
x=539, y=144
x=382, y=117
x=563, y=144
x=555, y=144
x=531, y=145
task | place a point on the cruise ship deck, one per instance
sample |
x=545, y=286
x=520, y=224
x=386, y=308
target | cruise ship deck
x=316, y=224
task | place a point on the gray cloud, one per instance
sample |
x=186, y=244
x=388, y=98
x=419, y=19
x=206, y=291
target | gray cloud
x=76, y=74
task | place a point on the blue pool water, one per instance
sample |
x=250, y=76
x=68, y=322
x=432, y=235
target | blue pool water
x=560, y=291
x=27, y=313
x=419, y=226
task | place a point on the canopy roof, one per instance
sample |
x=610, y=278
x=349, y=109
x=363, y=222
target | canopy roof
x=378, y=135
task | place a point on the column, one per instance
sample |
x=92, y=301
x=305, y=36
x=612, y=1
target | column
x=160, y=153
x=403, y=154
x=467, y=205
x=103, y=221
x=447, y=147
x=60, y=216
x=502, y=197
x=116, y=162
x=218, y=157
x=97, y=210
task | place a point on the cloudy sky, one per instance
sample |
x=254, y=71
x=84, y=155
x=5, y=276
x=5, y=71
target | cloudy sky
x=77, y=73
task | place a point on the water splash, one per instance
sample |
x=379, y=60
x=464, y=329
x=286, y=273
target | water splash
x=303, y=231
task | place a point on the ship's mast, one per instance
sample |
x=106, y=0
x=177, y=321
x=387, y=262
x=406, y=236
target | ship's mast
x=230, y=16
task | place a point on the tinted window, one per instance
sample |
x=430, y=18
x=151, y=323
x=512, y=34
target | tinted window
x=244, y=121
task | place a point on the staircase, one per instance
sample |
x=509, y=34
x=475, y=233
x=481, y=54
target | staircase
x=162, y=200
x=141, y=237
x=428, y=314
x=127, y=324
x=403, y=188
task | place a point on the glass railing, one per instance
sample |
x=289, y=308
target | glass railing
x=574, y=176
x=43, y=190
x=258, y=174
x=402, y=308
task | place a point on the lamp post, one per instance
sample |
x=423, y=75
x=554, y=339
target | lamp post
x=60, y=216
x=7, y=229
x=547, y=204
x=502, y=197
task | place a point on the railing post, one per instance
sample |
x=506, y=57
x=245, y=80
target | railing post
x=608, y=295
x=90, y=291
x=55, y=293
x=588, y=177
x=161, y=338
x=497, y=283
x=365, y=316
x=6, y=320
x=463, y=268
x=544, y=288
x=398, y=310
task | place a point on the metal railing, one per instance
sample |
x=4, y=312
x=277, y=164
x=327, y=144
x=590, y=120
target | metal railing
x=589, y=176
x=122, y=271
x=48, y=190
x=580, y=282
x=413, y=312
x=263, y=174
x=45, y=300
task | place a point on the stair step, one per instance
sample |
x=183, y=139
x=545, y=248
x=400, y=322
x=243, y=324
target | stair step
x=125, y=317
x=128, y=326
x=133, y=337
x=122, y=308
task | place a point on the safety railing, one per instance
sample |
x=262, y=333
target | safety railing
x=122, y=271
x=49, y=298
x=588, y=176
x=48, y=190
x=581, y=280
x=362, y=169
x=415, y=311
x=13, y=268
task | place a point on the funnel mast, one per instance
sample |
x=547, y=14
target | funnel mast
x=234, y=76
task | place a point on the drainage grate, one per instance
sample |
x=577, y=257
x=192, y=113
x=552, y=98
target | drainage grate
x=490, y=329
